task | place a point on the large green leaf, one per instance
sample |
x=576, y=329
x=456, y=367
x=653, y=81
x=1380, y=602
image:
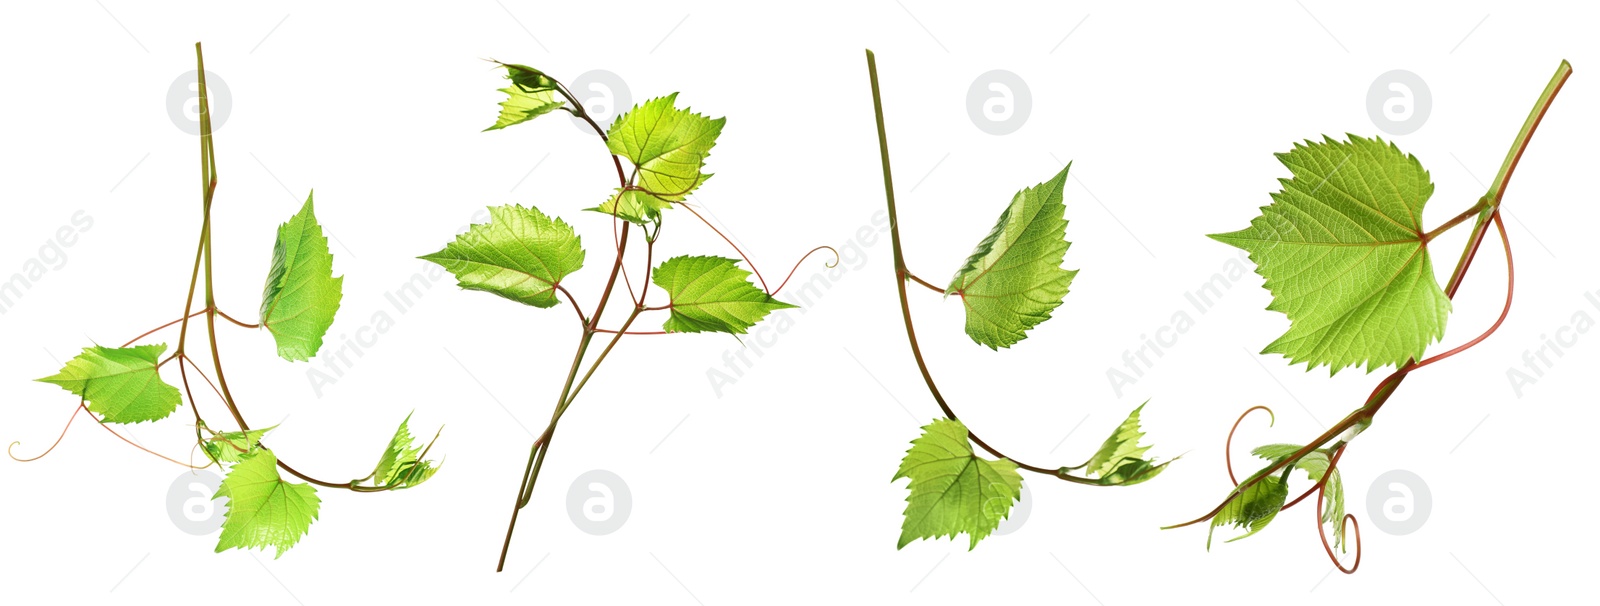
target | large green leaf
x=121, y=385
x=531, y=94
x=1315, y=464
x=1014, y=279
x=667, y=146
x=301, y=296
x=401, y=465
x=1343, y=253
x=264, y=510
x=520, y=254
x=711, y=294
x=1120, y=460
x=952, y=490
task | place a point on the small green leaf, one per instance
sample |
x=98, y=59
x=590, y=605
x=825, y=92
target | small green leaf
x=711, y=294
x=667, y=146
x=301, y=296
x=235, y=446
x=401, y=465
x=952, y=490
x=121, y=385
x=531, y=94
x=1315, y=464
x=1343, y=253
x=1013, y=279
x=264, y=510
x=633, y=206
x=1120, y=459
x=1253, y=509
x=520, y=254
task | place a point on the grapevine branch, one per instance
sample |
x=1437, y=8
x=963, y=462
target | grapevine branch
x=1487, y=211
x=211, y=311
x=903, y=275
x=590, y=324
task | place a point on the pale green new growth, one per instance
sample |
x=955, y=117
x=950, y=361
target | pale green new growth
x=235, y=446
x=1315, y=464
x=121, y=385
x=952, y=490
x=531, y=94
x=634, y=206
x=1014, y=279
x=520, y=254
x=1253, y=509
x=1120, y=458
x=667, y=146
x=264, y=510
x=1343, y=252
x=301, y=295
x=711, y=294
x=401, y=465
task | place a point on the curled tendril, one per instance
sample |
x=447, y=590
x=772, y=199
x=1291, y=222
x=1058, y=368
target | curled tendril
x=725, y=238
x=835, y=263
x=1348, y=520
x=53, y=445
x=1227, y=452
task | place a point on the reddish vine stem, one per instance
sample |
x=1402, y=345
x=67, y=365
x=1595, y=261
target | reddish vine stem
x=237, y=322
x=208, y=176
x=541, y=445
x=159, y=328
x=929, y=285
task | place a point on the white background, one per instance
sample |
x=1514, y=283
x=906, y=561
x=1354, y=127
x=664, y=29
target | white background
x=778, y=491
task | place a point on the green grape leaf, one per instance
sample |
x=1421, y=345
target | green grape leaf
x=1253, y=509
x=401, y=465
x=1120, y=460
x=1343, y=252
x=1013, y=279
x=531, y=94
x=301, y=295
x=1315, y=464
x=952, y=490
x=122, y=385
x=235, y=446
x=520, y=254
x=667, y=146
x=711, y=294
x=264, y=510
x=633, y=206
